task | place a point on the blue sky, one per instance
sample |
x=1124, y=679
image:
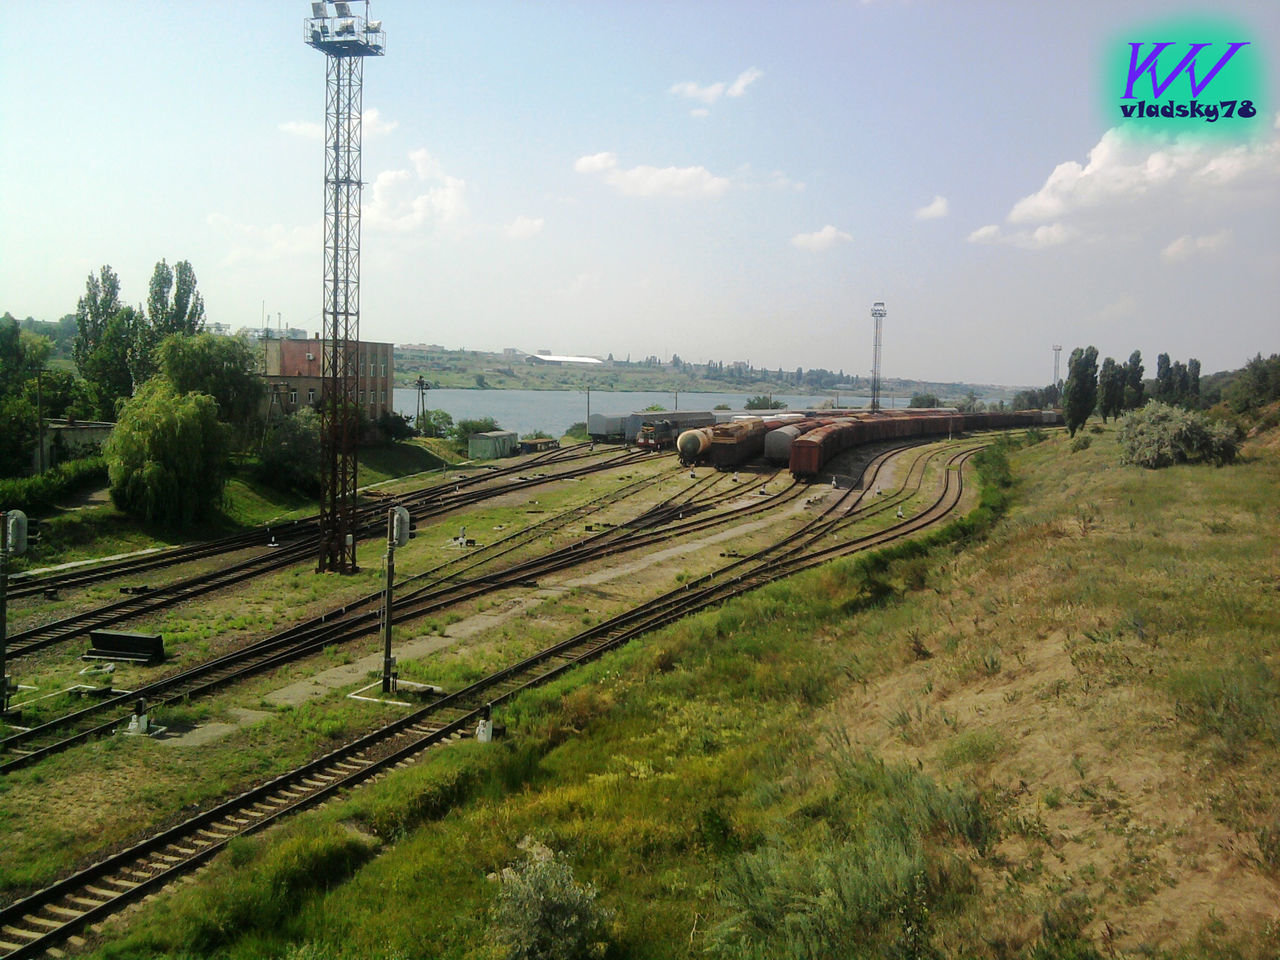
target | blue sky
x=719, y=180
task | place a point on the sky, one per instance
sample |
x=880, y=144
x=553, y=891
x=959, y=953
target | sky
x=727, y=181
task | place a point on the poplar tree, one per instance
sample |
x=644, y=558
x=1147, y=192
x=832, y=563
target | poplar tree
x=1080, y=395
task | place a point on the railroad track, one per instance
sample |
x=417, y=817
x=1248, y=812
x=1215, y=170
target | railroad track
x=360, y=617
x=24, y=585
x=23, y=642
x=441, y=589
x=51, y=916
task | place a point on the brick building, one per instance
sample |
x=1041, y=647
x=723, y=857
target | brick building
x=293, y=370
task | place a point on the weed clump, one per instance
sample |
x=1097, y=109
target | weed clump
x=543, y=913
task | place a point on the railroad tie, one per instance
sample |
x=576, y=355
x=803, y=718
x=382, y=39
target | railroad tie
x=39, y=921
x=67, y=912
x=99, y=892
x=85, y=901
x=19, y=933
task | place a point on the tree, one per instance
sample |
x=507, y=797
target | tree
x=290, y=458
x=223, y=367
x=1193, y=383
x=1164, y=378
x=434, y=423
x=924, y=400
x=174, y=305
x=106, y=367
x=101, y=302
x=764, y=402
x=22, y=355
x=463, y=429
x=393, y=426
x=167, y=456
x=1110, y=389
x=1080, y=395
x=1133, y=386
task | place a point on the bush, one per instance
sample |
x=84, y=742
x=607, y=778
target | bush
x=290, y=457
x=543, y=913
x=32, y=494
x=1081, y=442
x=577, y=430
x=1160, y=435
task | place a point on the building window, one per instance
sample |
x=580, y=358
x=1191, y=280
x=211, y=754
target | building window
x=311, y=395
x=384, y=368
x=362, y=396
x=293, y=398
x=384, y=396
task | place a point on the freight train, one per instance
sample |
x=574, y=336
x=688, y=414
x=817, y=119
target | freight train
x=810, y=452
x=807, y=445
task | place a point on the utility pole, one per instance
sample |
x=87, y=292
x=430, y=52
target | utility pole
x=40, y=416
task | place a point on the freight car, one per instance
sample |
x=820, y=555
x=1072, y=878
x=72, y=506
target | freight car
x=810, y=452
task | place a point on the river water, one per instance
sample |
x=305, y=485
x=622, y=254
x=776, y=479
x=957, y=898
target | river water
x=554, y=410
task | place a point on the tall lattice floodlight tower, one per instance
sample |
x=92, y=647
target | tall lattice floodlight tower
x=1057, y=352
x=878, y=314
x=345, y=39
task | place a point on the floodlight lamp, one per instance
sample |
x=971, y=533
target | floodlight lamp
x=319, y=9
x=373, y=26
x=343, y=8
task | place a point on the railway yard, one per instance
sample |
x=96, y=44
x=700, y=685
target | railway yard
x=269, y=699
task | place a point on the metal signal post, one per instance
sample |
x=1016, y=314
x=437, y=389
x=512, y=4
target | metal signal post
x=345, y=39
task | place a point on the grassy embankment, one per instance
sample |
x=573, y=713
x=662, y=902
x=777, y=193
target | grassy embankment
x=1059, y=742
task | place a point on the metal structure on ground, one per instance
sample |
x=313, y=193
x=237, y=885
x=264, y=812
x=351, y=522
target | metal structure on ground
x=878, y=313
x=345, y=39
x=1057, y=352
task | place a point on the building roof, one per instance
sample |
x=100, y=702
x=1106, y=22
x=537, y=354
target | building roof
x=557, y=358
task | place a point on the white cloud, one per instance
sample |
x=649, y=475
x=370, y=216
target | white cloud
x=933, y=210
x=823, y=239
x=404, y=200
x=596, y=163
x=303, y=128
x=1045, y=235
x=250, y=243
x=1121, y=170
x=372, y=124
x=744, y=80
x=707, y=94
x=646, y=181
x=1120, y=309
x=714, y=91
x=522, y=228
x=699, y=112
x=1187, y=245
